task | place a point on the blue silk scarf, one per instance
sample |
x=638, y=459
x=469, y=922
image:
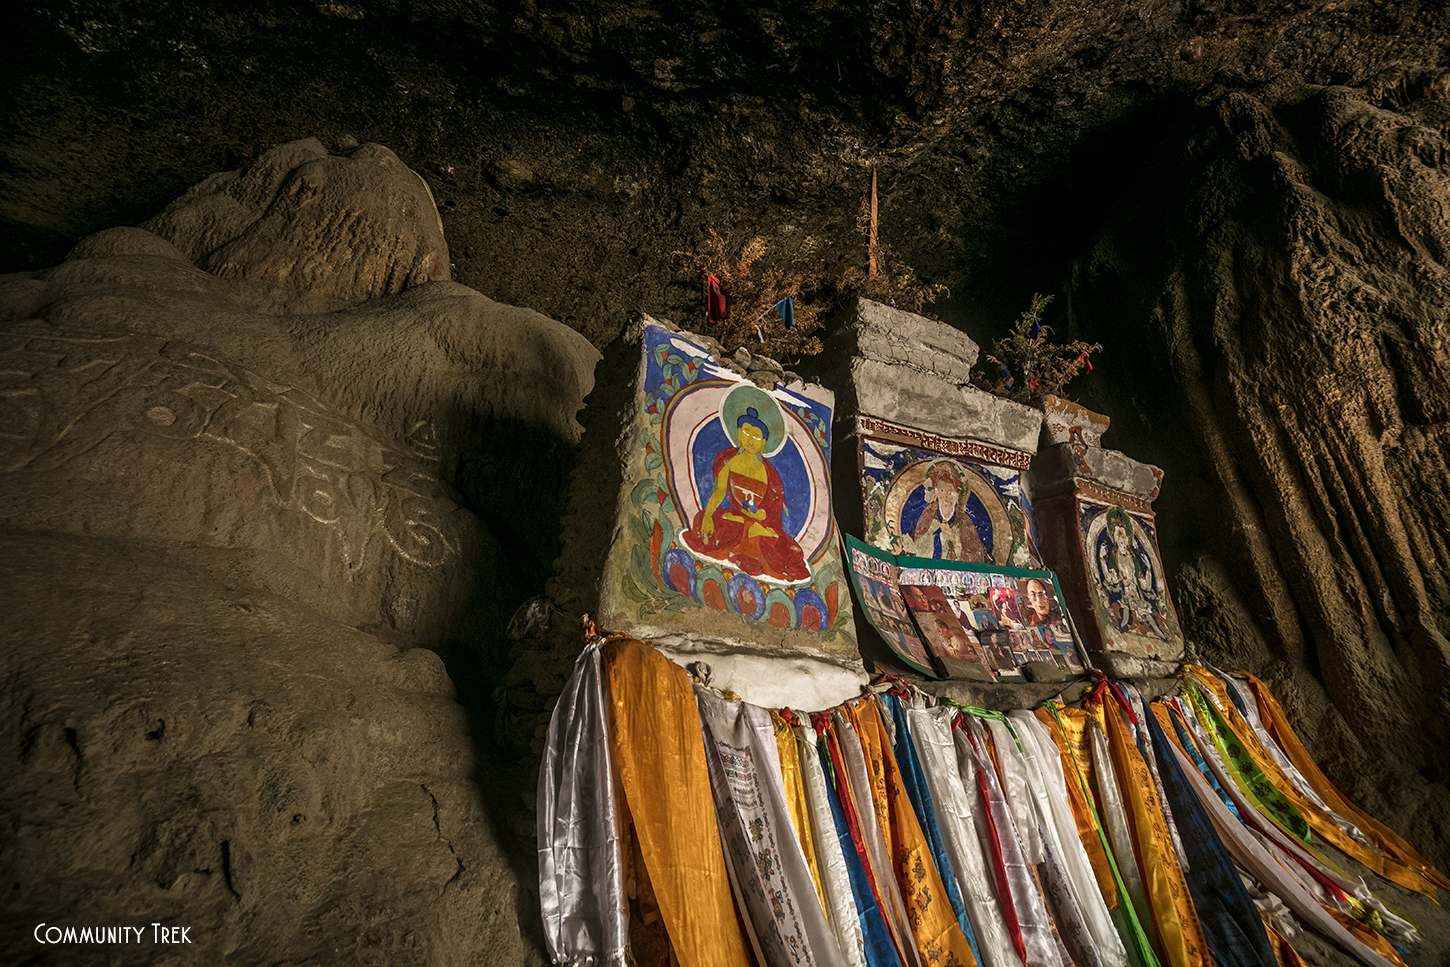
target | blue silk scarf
x=1231, y=923
x=880, y=948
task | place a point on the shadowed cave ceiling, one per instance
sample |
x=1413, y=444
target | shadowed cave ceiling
x=1245, y=202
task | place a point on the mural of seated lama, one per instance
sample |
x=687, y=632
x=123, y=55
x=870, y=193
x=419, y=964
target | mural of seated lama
x=725, y=543
x=934, y=465
x=1094, y=509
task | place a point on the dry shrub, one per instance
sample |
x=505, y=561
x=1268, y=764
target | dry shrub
x=751, y=295
x=1028, y=364
x=886, y=277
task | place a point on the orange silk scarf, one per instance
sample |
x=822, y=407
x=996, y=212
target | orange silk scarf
x=661, y=757
x=934, y=925
x=1179, y=931
x=1071, y=740
x=1277, y=725
x=1386, y=866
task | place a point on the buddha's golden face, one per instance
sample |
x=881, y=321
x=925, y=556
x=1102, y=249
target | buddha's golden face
x=752, y=441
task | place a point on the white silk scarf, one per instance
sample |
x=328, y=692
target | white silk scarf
x=581, y=846
x=835, y=880
x=931, y=733
x=859, y=779
x=1032, y=917
x=1060, y=828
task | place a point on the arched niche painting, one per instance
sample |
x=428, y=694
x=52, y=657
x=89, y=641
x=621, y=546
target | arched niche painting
x=921, y=503
x=1126, y=581
x=728, y=526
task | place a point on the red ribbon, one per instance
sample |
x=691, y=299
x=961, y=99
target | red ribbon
x=714, y=299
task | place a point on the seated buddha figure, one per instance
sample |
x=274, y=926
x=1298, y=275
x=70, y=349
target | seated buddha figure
x=740, y=524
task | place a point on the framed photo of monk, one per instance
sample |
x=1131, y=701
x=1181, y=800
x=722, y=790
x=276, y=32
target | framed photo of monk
x=1010, y=616
x=873, y=576
x=946, y=635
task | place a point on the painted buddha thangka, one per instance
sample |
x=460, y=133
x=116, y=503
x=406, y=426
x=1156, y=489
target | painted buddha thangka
x=741, y=524
x=726, y=507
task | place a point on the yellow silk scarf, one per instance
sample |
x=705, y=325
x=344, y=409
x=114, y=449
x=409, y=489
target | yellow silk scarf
x=1287, y=955
x=1386, y=866
x=788, y=747
x=934, y=925
x=1179, y=931
x=666, y=783
x=1366, y=935
x=1071, y=739
x=1277, y=725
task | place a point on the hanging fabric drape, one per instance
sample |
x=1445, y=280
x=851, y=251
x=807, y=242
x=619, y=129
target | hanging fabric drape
x=893, y=831
x=1328, y=884
x=934, y=931
x=958, y=805
x=1014, y=872
x=870, y=803
x=1406, y=874
x=835, y=877
x=1231, y=924
x=914, y=780
x=881, y=948
x=769, y=867
x=1179, y=934
x=795, y=798
x=1277, y=724
x=1072, y=760
x=666, y=782
x=1252, y=856
x=1059, y=828
x=580, y=834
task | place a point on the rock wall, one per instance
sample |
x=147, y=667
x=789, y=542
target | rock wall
x=1282, y=282
x=249, y=496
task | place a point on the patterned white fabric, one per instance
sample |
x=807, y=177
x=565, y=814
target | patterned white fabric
x=835, y=880
x=765, y=855
x=1032, y=916
x=1060, y=827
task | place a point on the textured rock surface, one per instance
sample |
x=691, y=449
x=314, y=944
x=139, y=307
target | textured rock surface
x=231, y=510
x=353, y=227
x=185, y=749
x=1285, y=277
x=573, y=147
x=891, y=335
x=571, y=150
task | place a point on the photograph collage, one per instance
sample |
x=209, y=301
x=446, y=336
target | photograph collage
x=997, y=617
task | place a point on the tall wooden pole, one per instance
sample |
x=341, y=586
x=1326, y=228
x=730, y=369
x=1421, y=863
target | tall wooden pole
x=872, y=266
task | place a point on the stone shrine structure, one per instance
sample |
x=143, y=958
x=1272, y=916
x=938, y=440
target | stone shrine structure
x=1094, y=513
x=725, y=548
